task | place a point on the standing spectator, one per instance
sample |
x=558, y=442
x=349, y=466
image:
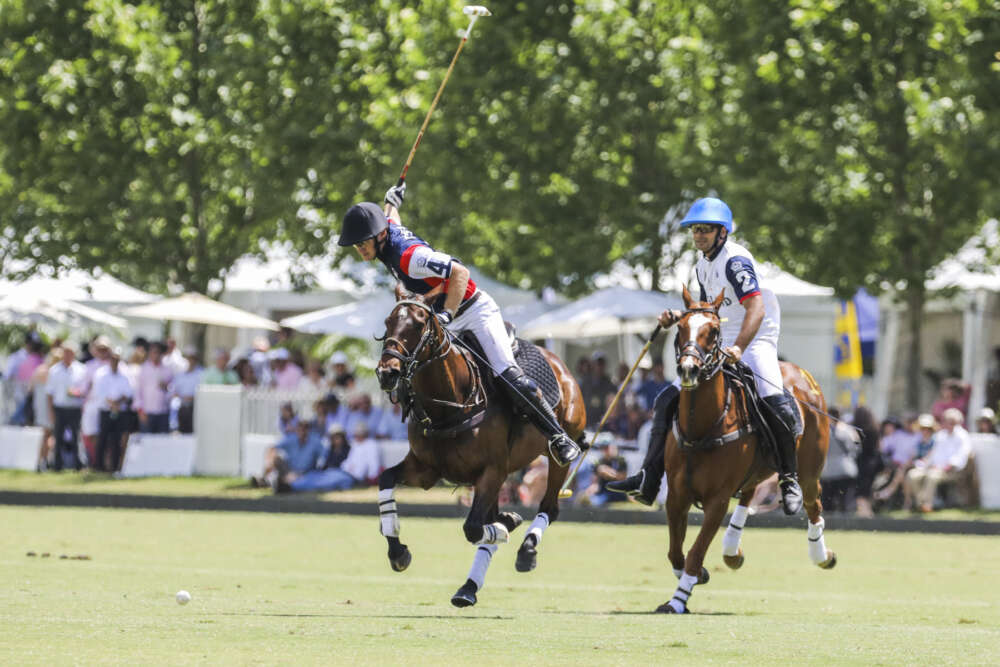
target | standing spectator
x=260, y=362
x=245, y=373
x=100, y=352
x=43, y=417
x=286, y=375
x=219, y=372
x=953, y=394
x=172, y=357
x=65, y=391
x=21, y=380
x=654, y=384
x=869, y=459
x=112, y=391
x=947, y=458
x=151, y=392
x=993, y=379
x=986, y=421
x=840, y=472
x=343, y=378
x=314, y=379
x=185, y=386
x=18, y=389
x=598, y=387
x=362, y=411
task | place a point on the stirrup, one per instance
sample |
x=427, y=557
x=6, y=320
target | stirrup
x=791, y=494
x=563, y=450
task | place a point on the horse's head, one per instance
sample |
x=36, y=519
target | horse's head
x=409, y=328
x=697, y=344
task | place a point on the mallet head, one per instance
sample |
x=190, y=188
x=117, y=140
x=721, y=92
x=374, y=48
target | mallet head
x=476, y=10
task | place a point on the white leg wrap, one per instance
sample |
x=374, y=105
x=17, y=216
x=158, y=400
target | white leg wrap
x=678, y=573
x=683, y=592
x=538, y=526
x=387, y=516
x=481, y=563
x=494, y=533
x=734, y=533
x=817, y=546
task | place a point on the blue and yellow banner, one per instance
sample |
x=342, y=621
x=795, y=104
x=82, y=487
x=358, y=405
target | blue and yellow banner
x=847, y=352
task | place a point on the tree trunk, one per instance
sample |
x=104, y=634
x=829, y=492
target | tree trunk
x=915, y=297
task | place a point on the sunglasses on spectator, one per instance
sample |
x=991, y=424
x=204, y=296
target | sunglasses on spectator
x=702, y=229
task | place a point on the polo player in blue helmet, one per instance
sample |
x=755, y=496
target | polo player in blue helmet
x=750, y=326
x=462, y=306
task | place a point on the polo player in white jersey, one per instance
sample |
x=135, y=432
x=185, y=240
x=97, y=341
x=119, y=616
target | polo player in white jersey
x=751, y=321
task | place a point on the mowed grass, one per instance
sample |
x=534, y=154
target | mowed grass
x=309, y=589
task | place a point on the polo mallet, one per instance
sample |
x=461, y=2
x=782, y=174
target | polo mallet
x=473, y=12
x=566, y=492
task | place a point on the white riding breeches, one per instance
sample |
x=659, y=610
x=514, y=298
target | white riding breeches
x=484, y=320
x=762, y=357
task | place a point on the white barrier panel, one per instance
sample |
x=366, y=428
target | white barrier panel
x=255, y=446
x=987, y=449
x=19, y=447
x=217, y=419
x=159, y=455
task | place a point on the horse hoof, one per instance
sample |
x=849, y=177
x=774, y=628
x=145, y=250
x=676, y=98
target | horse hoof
x=527, y=558
x=703, y=577
x=665, y=608
x=734, y=562
x=510, y=520
x=830, y=562
x=401, y=561
x=466, y=595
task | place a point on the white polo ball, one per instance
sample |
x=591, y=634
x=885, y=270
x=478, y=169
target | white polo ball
x=183, y=597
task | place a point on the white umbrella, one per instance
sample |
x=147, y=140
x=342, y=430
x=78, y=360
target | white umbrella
x=24, y=307
x=197, y=308
x=360, y=319
x=609, y=312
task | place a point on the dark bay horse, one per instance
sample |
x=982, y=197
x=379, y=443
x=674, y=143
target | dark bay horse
x=421, y=361
x=710, y=455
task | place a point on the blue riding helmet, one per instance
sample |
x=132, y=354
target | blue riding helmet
x=709, y=210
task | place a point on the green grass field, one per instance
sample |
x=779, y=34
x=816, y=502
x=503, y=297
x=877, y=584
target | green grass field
x=308, y=589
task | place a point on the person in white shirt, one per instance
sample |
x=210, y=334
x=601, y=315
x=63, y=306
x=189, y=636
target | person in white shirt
x=112, y=391
x=184, y=387
x=948, y=457
x=65, y=389
x=363, y=462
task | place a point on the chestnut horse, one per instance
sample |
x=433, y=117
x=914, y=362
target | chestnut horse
x=439, y=380
x=713, y=453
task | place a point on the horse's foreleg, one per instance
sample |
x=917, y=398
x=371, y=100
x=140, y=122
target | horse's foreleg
x=732, y=552
x=486, y=536
x=678, y=505
x=548, y=511
x=694, y=572
x=818, y=553
x=408, y=471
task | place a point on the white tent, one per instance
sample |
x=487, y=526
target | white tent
x=79, y=286
x=608, y=312
x=360, y=319
x=197, y=308
x=26, y=306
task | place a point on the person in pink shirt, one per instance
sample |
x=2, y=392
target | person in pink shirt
x=285, y=373
x=151, y=397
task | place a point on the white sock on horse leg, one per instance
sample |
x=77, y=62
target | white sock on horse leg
x=481, y=562
x=683, y=592
x=388, y=518
x=538, y=526
x=494, y=533
x=734, y=532
x=817, y=546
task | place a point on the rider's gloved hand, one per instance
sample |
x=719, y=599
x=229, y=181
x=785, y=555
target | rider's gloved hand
x=394, y=195
x=445, y=318
x=669, y=318
x=733, y=354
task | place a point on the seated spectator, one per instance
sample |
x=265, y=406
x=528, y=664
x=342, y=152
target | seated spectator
x=220, y=373
x=610, y=467
x=899, y=448
x=318, y=421
x=927, y=427
x=287, y=419
x=336, y=412
x=839, y=478
x=338, y=448
x=948, y=457
x=986, y=421
x=534, y=482
x=343, y=378
x=362, y=411
x=391, y=426
x=360, y=467
x=296, y=454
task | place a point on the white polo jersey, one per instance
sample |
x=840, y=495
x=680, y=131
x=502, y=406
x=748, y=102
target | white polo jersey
x=734, y=271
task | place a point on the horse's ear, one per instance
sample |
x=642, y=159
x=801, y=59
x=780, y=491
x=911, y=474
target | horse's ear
x=687, y=297
x=718, y=300
x=401, y=292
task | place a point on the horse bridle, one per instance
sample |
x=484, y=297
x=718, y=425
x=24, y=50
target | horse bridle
x=410, y=361
x=709, y=362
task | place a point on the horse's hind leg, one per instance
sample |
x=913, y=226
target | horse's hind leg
x=818, y=553
x=411, y=472
x=732, y=552
x=548, y=511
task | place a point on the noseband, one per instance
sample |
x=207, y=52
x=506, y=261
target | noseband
x=709, y=362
